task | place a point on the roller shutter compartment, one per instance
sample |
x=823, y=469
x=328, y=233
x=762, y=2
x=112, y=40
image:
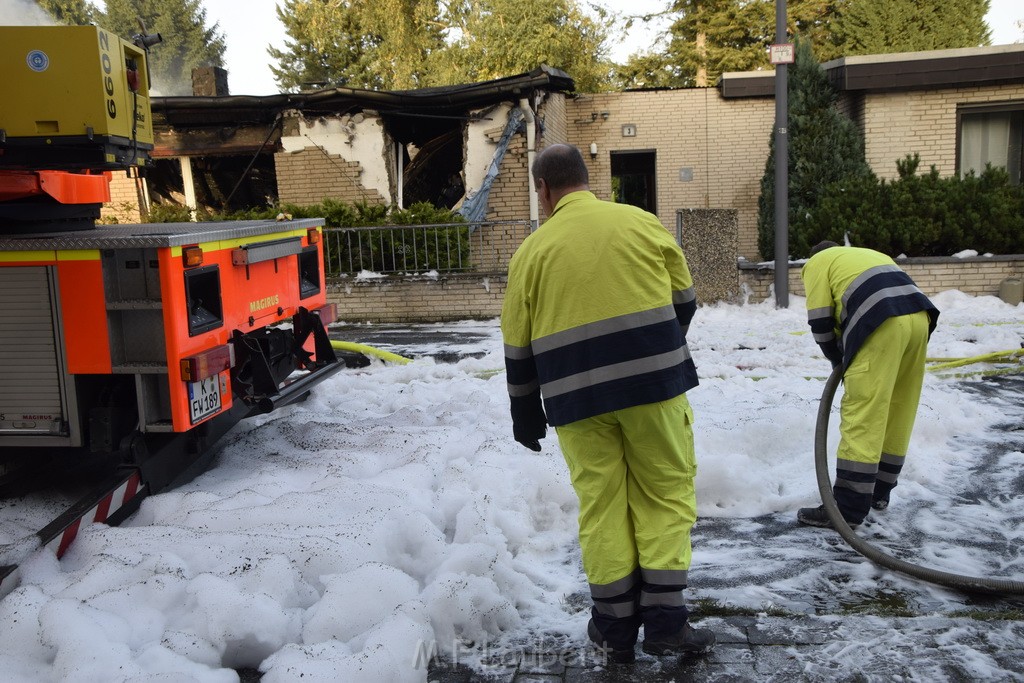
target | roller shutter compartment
x=31, y=363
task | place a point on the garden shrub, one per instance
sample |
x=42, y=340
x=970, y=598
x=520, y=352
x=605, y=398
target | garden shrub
x=921, y=214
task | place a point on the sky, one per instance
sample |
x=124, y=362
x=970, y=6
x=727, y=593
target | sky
x=347, y=537
x=249, y=32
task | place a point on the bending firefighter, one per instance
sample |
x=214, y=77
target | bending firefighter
x=869, y=317
x=594, y=320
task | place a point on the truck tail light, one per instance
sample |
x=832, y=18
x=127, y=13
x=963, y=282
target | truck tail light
x=192, y=256
x=327, y=314
x=207, y=363
x=313, y=236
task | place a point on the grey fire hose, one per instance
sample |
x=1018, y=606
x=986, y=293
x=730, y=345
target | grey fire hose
x=960, y=582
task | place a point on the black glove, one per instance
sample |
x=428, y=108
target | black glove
x=529, y=424
x=832, y=352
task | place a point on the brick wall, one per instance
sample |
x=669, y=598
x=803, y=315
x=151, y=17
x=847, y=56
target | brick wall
x=397, y=299
x=978, y=276
x=509, y=198
x=722, y=144
x=896, y=124
x=124, y=200
x=308, y=176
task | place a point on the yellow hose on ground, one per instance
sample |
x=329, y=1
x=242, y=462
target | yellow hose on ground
x=998, y=356
x=949, y=362
x=370, y=351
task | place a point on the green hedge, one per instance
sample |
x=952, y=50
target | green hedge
x=920, y=214
x=337, y=214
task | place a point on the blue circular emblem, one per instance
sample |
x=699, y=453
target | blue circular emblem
x=37, y=60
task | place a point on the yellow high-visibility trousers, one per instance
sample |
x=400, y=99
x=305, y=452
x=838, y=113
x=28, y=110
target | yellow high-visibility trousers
x=877, y=413
x=633, y=472
x=883, y=389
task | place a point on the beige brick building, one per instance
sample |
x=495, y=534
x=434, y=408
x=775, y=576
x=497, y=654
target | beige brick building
x=708, y=152
x=694, y=157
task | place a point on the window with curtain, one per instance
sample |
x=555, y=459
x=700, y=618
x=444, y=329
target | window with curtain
x=991, y=135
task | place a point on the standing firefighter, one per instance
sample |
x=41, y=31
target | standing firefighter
x=594, y=320
x=868, y=317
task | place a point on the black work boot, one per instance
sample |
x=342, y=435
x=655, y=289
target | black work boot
x=880, y=498
x=687, y=641
x=818, y=517
x=615, y=656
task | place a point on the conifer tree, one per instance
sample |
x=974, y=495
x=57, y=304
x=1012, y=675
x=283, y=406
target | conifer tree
x=69, y=12
x=187, y=41
x=825, y=147
x=710, y=37
x=327, y=45
x=882, y=26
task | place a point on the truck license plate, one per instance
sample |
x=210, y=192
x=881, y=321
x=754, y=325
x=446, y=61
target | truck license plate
x=204, y=398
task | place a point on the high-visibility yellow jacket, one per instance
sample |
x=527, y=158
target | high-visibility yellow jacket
x=850, y=292
x=595, y=314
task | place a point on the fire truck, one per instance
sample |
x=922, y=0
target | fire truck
x=127, y=351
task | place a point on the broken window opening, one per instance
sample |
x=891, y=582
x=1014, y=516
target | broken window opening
x=433, y=150
x=214, y=179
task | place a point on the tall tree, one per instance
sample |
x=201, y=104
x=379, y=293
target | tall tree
x=710, y=37
x=506, y=37
x=409, y=33
x=69, y=12
x=825, y=148
x=400, y=44
x=187, y=41
x=326, y=45
x=880, y=26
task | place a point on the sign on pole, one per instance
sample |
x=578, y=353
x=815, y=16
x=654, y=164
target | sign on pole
x=781, y=53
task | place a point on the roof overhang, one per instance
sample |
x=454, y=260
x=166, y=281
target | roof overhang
x=930, y=70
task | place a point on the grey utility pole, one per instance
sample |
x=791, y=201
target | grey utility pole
x=782, y=55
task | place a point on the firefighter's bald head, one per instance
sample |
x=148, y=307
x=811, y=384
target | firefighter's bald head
x=557, y=171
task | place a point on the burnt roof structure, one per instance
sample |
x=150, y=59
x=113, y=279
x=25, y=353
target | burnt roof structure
x=444, y=100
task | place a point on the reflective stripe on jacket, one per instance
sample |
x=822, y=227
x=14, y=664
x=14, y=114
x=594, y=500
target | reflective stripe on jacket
x=850, y=292
x=596, y=311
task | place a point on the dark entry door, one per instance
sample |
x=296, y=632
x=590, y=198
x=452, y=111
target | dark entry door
x=633, y=179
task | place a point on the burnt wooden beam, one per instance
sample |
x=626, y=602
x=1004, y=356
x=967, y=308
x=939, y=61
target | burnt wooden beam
x=220, y=141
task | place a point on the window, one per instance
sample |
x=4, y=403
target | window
x=991, y=134
x=633, y=179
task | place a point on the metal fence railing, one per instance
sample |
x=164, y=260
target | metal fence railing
x=410, y=249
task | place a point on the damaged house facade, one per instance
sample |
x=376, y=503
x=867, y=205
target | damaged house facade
x=693, y=157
